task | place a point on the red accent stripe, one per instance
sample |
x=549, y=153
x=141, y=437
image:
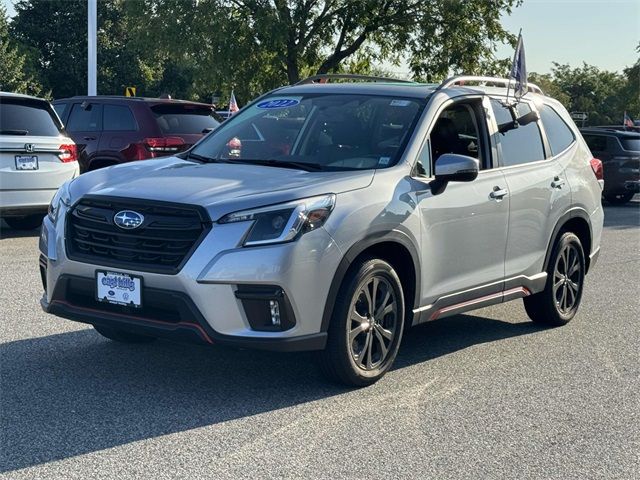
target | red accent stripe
x=200, y=330
x=456, y=306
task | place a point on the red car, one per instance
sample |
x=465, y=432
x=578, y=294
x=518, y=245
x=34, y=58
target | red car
x=109, y=130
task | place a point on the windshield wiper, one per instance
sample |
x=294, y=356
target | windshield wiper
x=14, y=132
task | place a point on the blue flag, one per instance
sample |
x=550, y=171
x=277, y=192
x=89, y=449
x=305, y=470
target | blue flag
x=519, y=69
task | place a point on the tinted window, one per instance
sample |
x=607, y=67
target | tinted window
x=558, y=133
x=632, y=144
x=456, y=131
x=118, y=118
x=60, y=109
x=332, y=132
x=84, y=119
x=519, y=145
x=25, y=117
x=179, y=119
x=596, y=143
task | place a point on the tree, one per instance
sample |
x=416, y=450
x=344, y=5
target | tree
x=13, y=77
x=437, y=36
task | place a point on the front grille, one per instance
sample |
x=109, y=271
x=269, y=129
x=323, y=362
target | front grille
x=162, y=244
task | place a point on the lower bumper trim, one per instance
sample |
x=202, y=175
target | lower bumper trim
x=181, y=331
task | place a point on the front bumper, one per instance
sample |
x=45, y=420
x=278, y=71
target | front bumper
x=206, y=289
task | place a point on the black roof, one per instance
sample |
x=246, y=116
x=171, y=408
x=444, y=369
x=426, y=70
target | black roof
x=122, y=98
x=610, y=131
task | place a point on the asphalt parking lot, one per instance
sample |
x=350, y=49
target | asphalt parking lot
x=482, y=395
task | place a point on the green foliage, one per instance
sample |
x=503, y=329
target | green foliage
x=13, y=74
x=603, y=95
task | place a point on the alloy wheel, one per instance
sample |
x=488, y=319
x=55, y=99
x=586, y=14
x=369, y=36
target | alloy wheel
x=567, y=279
x=373, y=322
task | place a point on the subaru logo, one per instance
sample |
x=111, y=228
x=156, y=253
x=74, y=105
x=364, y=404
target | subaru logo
x=128, y=219
x=28, y=147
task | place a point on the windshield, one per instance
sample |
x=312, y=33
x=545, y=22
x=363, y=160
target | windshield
x=331, y=132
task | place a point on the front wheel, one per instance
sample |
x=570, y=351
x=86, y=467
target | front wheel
x=558, y=303
x=366, y=326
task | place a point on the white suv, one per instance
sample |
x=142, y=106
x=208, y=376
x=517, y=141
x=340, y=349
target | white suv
x=36, y=157
x=329, y=217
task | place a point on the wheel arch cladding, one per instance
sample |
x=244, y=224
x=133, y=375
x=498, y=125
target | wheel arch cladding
x=576, y=221
x=393, y=247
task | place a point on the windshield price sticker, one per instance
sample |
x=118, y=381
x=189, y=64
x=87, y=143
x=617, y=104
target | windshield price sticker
x=280, y=103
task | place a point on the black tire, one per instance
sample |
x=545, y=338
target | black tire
x=122, y=336
x=558, y=303
x=619, y=198
x=359, y=356
x=28, y=222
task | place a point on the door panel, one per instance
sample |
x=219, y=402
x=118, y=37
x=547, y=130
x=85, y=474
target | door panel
x=85, y=125
x=464, y=234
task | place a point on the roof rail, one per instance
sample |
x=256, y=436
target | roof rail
x=486, y=81
x=326, y=77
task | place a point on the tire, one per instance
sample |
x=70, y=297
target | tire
x=362, y=347
x=28, y=222
x=619, y=198
x=122, y=336
x=558, y=303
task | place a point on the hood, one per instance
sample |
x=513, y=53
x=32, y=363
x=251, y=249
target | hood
x=220, y=188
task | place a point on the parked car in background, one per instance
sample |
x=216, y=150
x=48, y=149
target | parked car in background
x=330, y=217
x=619, y=151
x=110, y=129
x=36, y=157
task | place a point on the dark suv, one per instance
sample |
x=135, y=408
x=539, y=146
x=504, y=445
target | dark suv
x=620, y=154
x=109, y=130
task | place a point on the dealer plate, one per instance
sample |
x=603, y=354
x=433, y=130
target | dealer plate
x=26, y=162
x=119, y=288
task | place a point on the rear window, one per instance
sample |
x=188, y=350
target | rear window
x=184, y=119
x=632, y=144
x=28, y=117
x=558, y=133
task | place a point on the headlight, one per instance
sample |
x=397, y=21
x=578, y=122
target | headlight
x=283, y=222
x=61, y=196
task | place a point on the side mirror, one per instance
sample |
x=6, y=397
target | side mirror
x=451, y=167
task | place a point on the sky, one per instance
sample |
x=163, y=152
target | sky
x=603, y=33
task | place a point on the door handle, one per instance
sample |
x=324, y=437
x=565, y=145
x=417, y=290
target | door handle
x=498, y=193
x=557, y=182
x=89, y=138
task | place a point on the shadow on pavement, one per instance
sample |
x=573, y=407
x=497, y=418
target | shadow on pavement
x=7, y=232
x=74, y=393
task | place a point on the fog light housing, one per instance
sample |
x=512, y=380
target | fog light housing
x=266, y=307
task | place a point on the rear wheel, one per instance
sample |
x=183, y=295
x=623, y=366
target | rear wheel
x=122, y=336
x=619, y=198
x=28, y=222
x=558, y=303
x=366, y=327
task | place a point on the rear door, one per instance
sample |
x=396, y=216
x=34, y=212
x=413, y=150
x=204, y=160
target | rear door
x=119, y=131
x=85, y=125
x=537, y=187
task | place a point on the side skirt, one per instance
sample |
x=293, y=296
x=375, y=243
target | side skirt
x=479, y=297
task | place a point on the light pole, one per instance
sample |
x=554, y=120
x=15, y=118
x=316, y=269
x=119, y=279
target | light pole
x=92, y=53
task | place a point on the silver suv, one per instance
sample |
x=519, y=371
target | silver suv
x=330, y=216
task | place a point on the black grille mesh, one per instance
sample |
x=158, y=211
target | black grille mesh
x=162, y=244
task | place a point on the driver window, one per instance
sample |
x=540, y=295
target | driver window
x=457, y=130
